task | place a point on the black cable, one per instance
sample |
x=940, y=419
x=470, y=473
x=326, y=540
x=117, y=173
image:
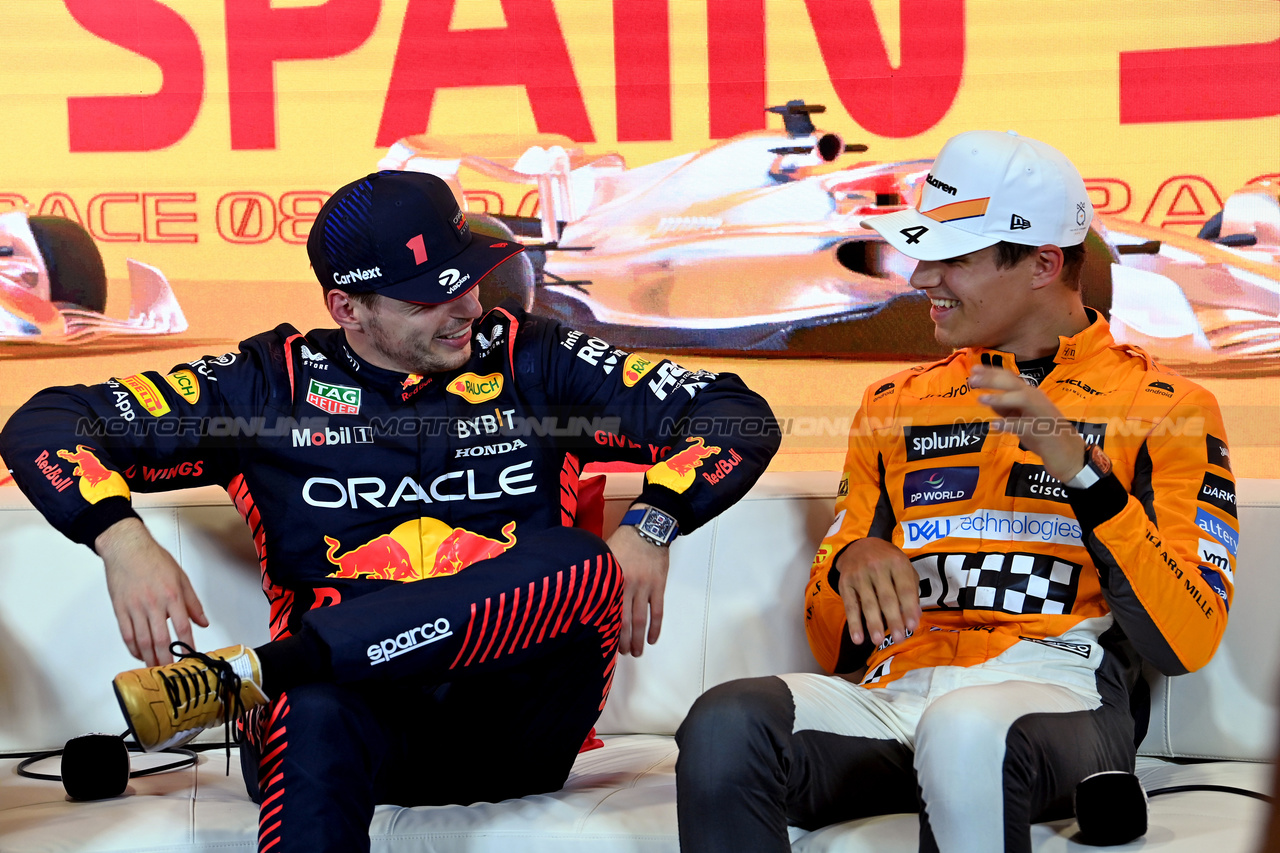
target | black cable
x=1223, y=789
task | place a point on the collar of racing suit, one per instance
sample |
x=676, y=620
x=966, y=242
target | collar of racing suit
x=1092, y=340
x=398, y=387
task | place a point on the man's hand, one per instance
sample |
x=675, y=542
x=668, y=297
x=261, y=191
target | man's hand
x=644, y=567
x=1026, y=412
x=878, y=584
x=148, y=588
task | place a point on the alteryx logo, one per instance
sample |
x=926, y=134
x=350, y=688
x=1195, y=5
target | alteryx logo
x=938, y=485
x=931, y=442
x=993, y=526
x=1209, y=523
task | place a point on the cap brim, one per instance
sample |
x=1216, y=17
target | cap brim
x=917, y=236
x=452, y=279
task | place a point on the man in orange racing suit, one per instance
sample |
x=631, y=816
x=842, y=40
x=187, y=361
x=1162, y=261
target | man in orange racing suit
x=988, y=588
x=421, y=442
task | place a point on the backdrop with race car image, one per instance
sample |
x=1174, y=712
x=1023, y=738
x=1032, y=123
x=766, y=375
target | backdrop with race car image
x=690, y=176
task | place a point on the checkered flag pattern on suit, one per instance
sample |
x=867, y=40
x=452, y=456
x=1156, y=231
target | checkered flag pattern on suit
x=1012, y=583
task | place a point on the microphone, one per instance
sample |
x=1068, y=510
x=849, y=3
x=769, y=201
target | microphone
x=1111, y=808
x=95, y=767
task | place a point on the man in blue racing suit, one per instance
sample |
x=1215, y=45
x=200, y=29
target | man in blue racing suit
x=411, y=482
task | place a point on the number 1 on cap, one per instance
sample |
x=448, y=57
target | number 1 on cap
x=419, y=249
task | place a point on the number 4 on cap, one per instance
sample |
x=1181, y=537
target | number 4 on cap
x=419, y=249
x=914, y=233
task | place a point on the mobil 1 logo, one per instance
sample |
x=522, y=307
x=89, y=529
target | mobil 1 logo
x=932, y=442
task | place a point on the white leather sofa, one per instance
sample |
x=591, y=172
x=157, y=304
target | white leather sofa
x=733, y=610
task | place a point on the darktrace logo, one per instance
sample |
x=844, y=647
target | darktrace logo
x=934, y=182
x=1220, y=492
x=1164, y=389
x=882, y=390
x=1218, y=452
x=931, y=442
x=938, y=485
x=1032, y=481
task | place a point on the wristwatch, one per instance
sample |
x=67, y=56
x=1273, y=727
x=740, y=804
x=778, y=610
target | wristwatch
x=1096, y=466
x=653, y=525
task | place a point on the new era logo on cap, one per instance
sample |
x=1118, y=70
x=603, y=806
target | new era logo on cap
x=403, y=235
x=985, y=187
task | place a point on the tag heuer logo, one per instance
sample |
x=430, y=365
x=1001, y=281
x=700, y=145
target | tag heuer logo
x=334, y=399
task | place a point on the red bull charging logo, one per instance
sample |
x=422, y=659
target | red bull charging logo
x=676, y=472
x=415, y=550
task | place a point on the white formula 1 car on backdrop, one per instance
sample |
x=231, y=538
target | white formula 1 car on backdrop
x=53, y=287
x=754, y=244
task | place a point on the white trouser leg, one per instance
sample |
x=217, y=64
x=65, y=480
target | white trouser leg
x=960, y=757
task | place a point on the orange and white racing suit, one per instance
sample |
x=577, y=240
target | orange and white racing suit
x=1039, y=603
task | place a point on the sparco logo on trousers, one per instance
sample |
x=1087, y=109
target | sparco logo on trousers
x=931, y=442
x=407, y=641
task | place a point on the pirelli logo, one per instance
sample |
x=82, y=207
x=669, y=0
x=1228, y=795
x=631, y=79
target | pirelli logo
x=146, y=393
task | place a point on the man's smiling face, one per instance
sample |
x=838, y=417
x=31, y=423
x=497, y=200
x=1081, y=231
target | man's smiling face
x=421, y=339
x=976, y=303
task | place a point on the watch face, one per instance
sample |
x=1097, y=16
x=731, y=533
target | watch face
x=1100, y=460
x=657, y=526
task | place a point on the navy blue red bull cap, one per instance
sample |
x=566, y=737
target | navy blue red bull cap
x=401, y=234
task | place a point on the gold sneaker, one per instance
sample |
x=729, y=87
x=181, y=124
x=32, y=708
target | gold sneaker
x=169, y=705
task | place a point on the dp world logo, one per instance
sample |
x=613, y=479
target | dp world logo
x=936, y=481
x=451, y=280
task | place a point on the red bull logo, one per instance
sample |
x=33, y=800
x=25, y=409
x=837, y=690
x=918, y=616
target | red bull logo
x=97, y=481
x=415, y=550
x=381, y=558
x=409, y=381
x=676, y=472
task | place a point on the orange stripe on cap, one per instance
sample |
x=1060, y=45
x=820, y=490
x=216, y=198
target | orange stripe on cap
x=958, y=210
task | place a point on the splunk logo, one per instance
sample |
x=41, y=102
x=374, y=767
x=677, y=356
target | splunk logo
x=938, y=485
x=407, y=641
x=993, y=526
x=934, y=441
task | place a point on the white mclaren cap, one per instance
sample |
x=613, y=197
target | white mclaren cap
x=986, y=187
